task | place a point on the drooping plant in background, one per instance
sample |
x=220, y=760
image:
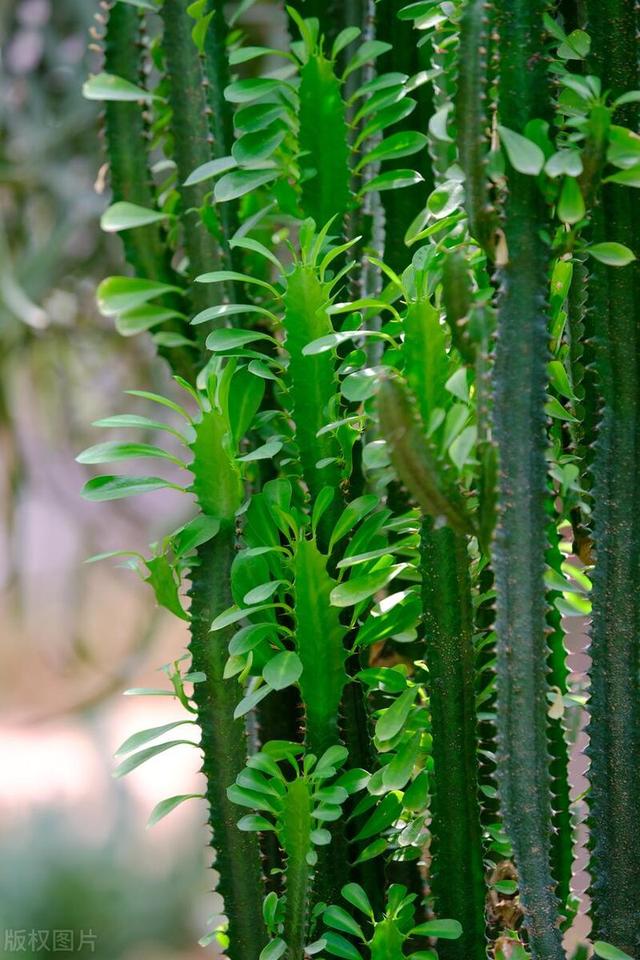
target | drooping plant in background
x=390, y=262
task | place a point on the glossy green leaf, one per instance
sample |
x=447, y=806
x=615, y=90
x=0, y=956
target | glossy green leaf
x=238, y=182
x=394, y=717
x=524, y=155
x=137, y=759
x=119, y=294
x=613, y=254
x=210, y=169
x=165, y=807
x=112, y=451
x=116, y=488
x=105, y=86
x=357, y=897
x=126, y=216
x=439, y=929
x=393, y=180
x=139, y=739
x=339, y=919
x=608, y=952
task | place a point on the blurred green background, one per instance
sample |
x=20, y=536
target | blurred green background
x=74, y=852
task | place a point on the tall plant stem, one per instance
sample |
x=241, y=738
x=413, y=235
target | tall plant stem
x=224, y=747
x=458, y=876
x=614, y=726
x=223, y=738
x=520, y=543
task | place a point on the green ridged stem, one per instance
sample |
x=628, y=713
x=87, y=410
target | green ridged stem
x=520, y=381
x=312, y=385
x=296, y=843
x=216, y=77
x=218, y=489
x=457, y=874
x=614, y=706
x=562, y=841
x=581, y=315
x=145, y=248
x=444, y=67
x=126, y=136
x=191, y=145
x=322, y=115
x=400, y=206
x=415, y=461
x=473, y=118
x=320, y=645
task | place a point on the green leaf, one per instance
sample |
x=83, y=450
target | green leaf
x=344, y=38
x=210, y=169
x=392, y=180
x=234, y=614
x=356, y=896
x=283, y=670
x=440, y=929
x=360, y=385
x=608, y=952
x=123, y=420
x=258, y=145
x=227, y=338
x=524, y=155
x=137, y=759
x=416, y=11
x=198, y=531
x=248, y=703
x=166, y=806
x=257, y=117
x=104, y=86
x=162, y=401
x=564, y=163
x=394, y=717
x=339, y=919
x=370, y=50
x=118, y=294
x=462, y=446
x=238, y=182
x=266, y=452
x=508, y=887
x=125, y=216
x=146, y=736
x=386, y=118
x=559, y=379
x=628, y=178
x=613, y=254
x=576, y=46
x=248, y=91
x=274, y=950
x=245, y=54
x=262, y=593
x=402, y=144
x=361, y=588
x=571, y=208
x=332, y=757
x=142, y=318
x=112, y=452
x=387, y=811
x=339, y=946
x=229, y=310
x=115, y=488
x=253, y=822
x=321, y=504
x=222, y=276
x=353, y=513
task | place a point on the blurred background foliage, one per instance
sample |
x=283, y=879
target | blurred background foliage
x=74, y=851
